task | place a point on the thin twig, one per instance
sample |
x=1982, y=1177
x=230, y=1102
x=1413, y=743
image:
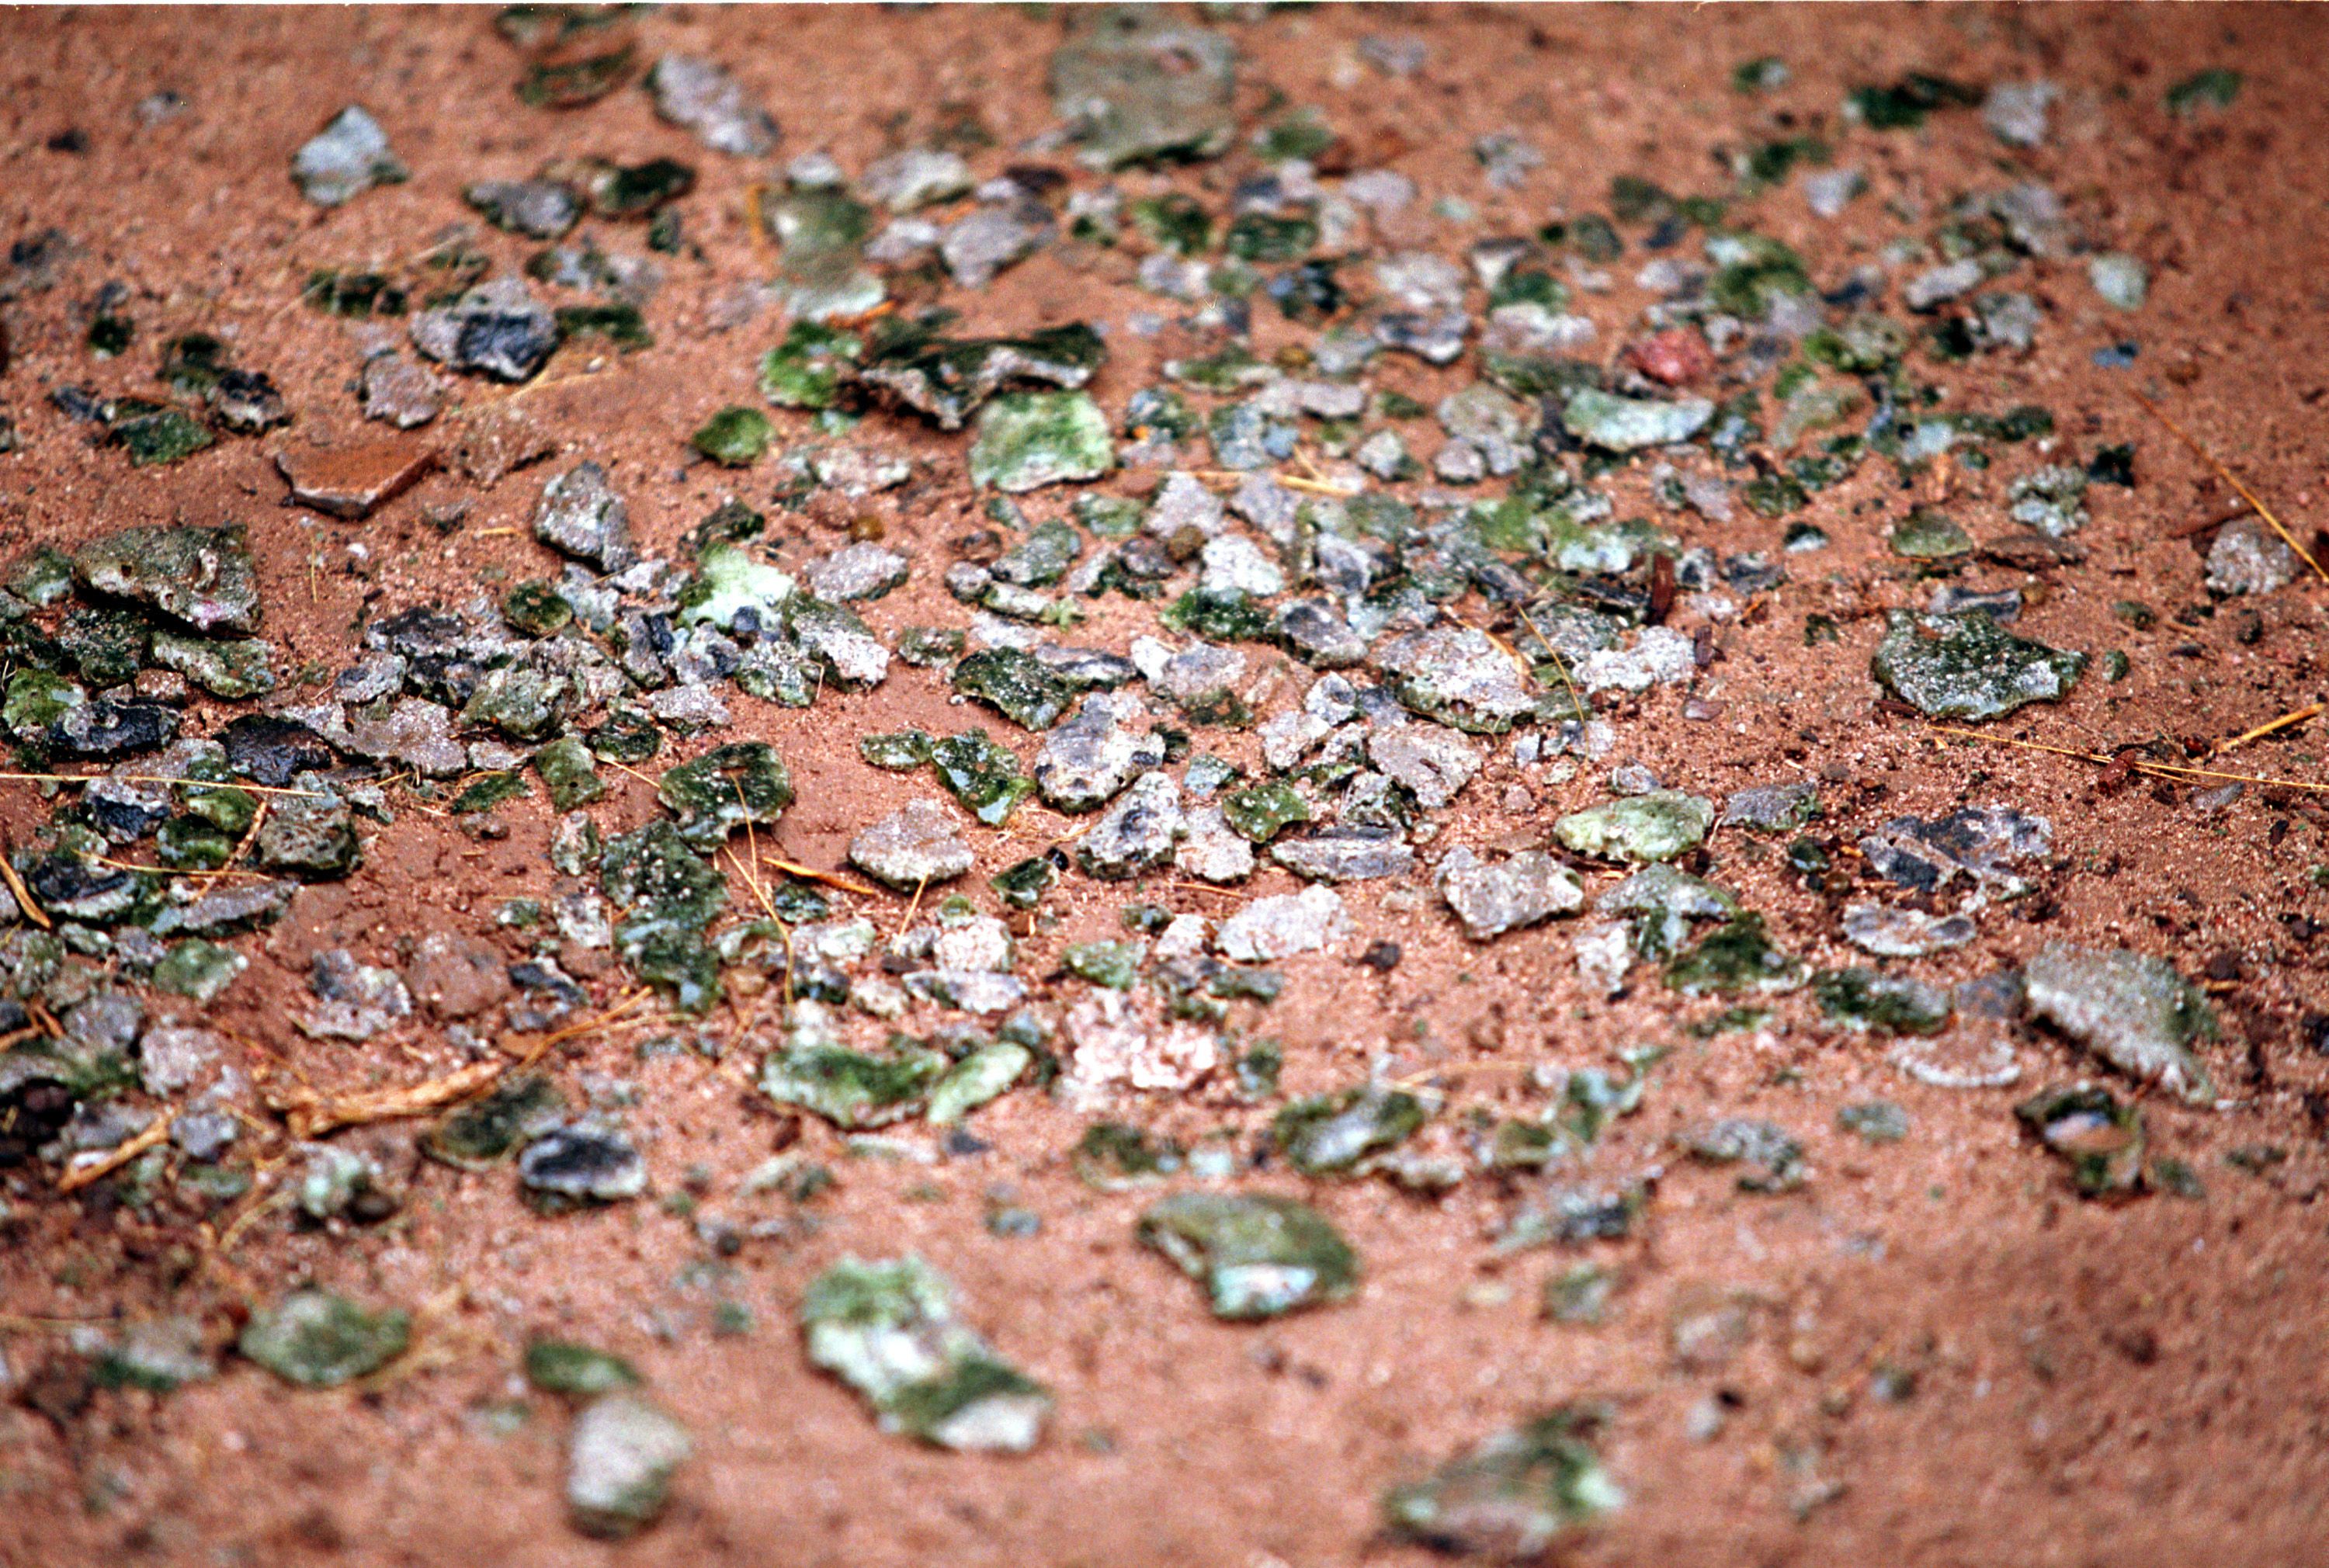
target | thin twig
x=8, y=873
x=2310, y=710
x=81, y=1176
x=2233, y=480
x=2155, y=769
x=811, y=874
x=1559, y=662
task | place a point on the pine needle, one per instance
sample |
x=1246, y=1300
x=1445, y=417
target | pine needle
x=2155, y=769
x=81, y=1176
x=2310, y=710
x=2233, y=480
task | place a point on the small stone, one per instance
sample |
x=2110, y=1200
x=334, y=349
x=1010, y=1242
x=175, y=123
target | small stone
x=992, y=237
x=2120, y=279
x=1460, y=677
x=1088, y=761
x=915, y=177
x=724, y=789
x=569, y=772
x=1433, y=763
x=1257, y=1256
x=619, y=1460
x=1283, y=925
x=2249, y=558
x=399, y=392
x=199, y=970
x=497, y=328
x=487, y=1131
x=734, y=437
x=1738, y=956
x=1340, y=1134
x=1656, y=826
x=1027, y=440
x=700, y=95
x=857, y=572
x=890, y=1330
x=1891, y=931
x=1494, y=898
x=577, y=1371
x=1015, y=684
x=1515, y=1497
x=2102, y=1141
x=1345, y=854
x=1137, y=833
x=358, y=1000
x=321, y=1340
x=1863, y=1000
x=1773, y=1158
x=1137, y=87
x=1212, y=852
x=233, y=669
x=2015, y=111
x=1261, y=813
x=1966, y=666
x=2133, y=1010
x=201, y=577
x=357, y=478
x=1928, y=534
x=346, y=158
x=1771, y=808
x=1937, y=286
x=580, y=515
x=1616, y=424
x=582, y=1162
x=457, y=977
x=541, y=208
x=912, y=848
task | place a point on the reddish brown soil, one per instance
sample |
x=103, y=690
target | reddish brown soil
x=2135, y=1384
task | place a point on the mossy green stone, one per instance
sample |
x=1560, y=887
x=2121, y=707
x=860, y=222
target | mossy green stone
x=725, y=788
x=1257, y=1256
x=1027, y=440
x=321, y=1340
x=569, y=772
x=1263, y=811
x=1657, y=826
x=734, y=437
x=1015, y=684
x=1967, y=666
x=850, y=1088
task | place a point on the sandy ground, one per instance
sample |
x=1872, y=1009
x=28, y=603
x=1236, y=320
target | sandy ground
x=2072, y=1383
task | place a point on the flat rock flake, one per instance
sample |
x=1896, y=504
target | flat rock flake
x=1215, y=723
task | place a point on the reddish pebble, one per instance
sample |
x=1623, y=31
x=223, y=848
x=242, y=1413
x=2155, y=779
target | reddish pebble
x=1675, y=357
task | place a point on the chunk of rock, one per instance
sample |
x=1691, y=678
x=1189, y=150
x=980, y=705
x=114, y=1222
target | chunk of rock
x=580, y=515
x=619, y=1460
x=1656, y=826
x=457, y=977
x=1345, y=854
x=1137, y=833
x=1492, y=898
x=1087, y=762
x=1434, y=763
x=344, y=160
x=353, y=480
x=1512, y=1498
x=2133, y=1010
x=1892, y=932
x=700, y=95
x=497, y=328
x=1283, y=924
x=890, y=1330
x=2249, y=557
x=201, y=577
x=1257, y=1256
x=582, y=1162
x=912, y=848
x=1967, y=666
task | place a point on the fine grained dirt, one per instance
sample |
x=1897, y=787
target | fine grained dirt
x=2125, y=1384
